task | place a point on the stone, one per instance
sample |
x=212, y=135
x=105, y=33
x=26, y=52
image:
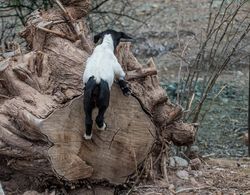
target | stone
x=171, y=162
x=239, y=73
x=195, y=149
x=32, y=193
x=180, y=162
x=1, y=190
x=171, y=187
x=195, y=173
x=182, y=174
x=195, y=164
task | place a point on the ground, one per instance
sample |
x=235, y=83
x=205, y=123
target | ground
x=177, y=22
x=217, y=176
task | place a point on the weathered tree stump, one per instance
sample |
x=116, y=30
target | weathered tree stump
x=41, y=107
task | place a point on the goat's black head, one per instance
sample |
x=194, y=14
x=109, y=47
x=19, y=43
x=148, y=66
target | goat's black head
x=116, y=36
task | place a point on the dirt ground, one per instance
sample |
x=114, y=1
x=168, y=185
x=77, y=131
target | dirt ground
x=217, y=176
x=177, y=23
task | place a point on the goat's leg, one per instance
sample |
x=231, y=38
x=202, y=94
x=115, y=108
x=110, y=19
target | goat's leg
x=102, y=104
x=89, y=105
x=124, y=87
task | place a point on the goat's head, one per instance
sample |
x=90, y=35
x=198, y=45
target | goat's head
x=116, y=36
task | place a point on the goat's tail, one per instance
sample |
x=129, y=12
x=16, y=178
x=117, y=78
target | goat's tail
x=97, y=79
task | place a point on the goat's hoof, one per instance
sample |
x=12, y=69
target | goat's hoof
x=104, y=126
x=87, y=137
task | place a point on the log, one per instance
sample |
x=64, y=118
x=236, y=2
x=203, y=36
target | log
x=41, y=108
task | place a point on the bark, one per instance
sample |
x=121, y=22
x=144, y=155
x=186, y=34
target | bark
x=41, y=107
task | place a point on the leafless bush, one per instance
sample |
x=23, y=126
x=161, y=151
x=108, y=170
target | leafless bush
x=7, y=30
x=13, y=15
x=120, y=14
x=223, y=45
x=117, y=14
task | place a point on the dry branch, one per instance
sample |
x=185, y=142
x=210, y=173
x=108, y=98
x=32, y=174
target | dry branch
x=141, y=73
x=57, y=33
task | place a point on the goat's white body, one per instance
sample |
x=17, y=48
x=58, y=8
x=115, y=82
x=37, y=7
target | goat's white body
x=103, y=64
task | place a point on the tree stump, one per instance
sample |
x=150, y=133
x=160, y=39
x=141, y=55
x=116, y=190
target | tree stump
x=41, y=107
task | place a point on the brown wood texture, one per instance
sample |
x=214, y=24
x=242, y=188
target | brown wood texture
x=112, y=154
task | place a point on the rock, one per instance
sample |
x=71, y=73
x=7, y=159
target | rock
x=194, y=182
x=195, y=164
x=195, y=173
x=1, y=190
x=195, y=149
x=193, y=152
x=182, y=174
x=171, y=187
x=180, y=162
x=37, y=193
x=239, y=73
x=32, y=193
x=224, y=100
x=98, y=191
x=177, y=161
x=171, y=162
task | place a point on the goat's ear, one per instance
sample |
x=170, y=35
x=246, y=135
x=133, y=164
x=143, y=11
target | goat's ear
x=98, y=37
x=125, y=36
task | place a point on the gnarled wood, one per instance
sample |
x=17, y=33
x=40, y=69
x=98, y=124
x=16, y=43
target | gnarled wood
x=140, y=73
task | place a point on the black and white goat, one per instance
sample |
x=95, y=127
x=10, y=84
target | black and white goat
x=101, y=69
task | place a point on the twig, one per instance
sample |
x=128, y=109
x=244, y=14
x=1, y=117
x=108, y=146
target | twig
x=84, y=41
x=74, y=29
x=135, y=161
x=99, y=5
x=218, y=43
x=200, y=56
x=208, y=155
x=141, y=73
x=160, y=154
x=217, y=73
x=119, y=14
x=180, y=69
x=210, y=15
x=215, y=18
x=164, y=164
x=68, y=17
x=191, y=101
x=4, y=96
x=181, y=57
x=192, y=189
x=137, y=180
x=56, y=33
x=211, y=103
x=113, y=137
x=151, y=133
x=181, y=62
x=58, y=2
